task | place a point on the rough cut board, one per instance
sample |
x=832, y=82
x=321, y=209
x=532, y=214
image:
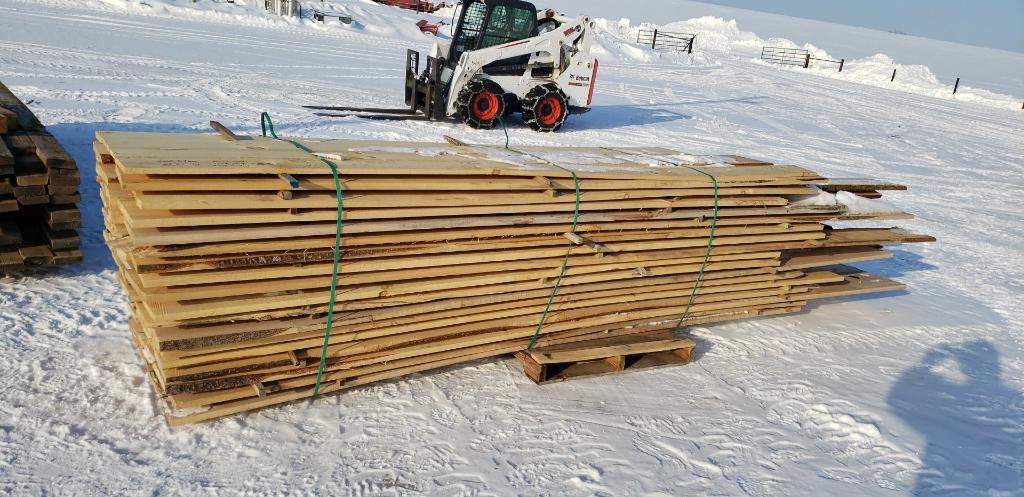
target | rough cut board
x=161, y=153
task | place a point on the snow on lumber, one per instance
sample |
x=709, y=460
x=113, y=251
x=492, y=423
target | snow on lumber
x=38, y=192
x=447, y=256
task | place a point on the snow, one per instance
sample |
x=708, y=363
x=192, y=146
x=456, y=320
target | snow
x=724, y=38
x=910, y=393
x=853, y=204
x=996, y=70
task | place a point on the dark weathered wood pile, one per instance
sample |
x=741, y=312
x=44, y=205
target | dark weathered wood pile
x=38, y=192
x=452, y=253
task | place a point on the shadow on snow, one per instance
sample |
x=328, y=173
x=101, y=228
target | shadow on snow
x=971, y=421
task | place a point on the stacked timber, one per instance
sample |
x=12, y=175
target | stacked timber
x=448, y=254
x=38, y=192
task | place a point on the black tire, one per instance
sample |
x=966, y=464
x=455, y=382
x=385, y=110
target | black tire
x=481, y=103
x=545, y=108
x=512, y=104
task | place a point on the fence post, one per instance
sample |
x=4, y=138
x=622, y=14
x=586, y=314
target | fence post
x=957, y=85
x=690, y=48
x=893, y=78
x=654, y=40
x=841, y=62
x=807, y=61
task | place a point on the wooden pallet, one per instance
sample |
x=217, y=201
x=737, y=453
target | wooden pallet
x=38, y=191
x=601, y=356
x=450, y=253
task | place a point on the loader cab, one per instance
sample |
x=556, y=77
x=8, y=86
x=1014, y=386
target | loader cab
x=488, y=23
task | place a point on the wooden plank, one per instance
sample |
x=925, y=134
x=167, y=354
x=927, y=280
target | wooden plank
x=62, y=214
x=855, y=283
x=26, y=121
x=412, y=183
x=51, y=153
x=30, y=171
x=62, y=189
x=383, y=205
x=65, y=199
x=10, y=234
x=858, y=185
x=10, y=258
x=8, y=205
x=6, y=157
x=8, y=120
x=224, y=132
x=36, y=254
x=207, y=154
x=62, y=240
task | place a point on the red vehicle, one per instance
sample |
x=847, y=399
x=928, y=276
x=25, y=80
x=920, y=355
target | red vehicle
x=426, y=27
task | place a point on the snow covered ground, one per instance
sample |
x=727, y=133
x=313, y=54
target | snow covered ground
x=988, y=68
x=910, y=393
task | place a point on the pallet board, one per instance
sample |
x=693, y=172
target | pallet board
x=38, y=192
x=601, y=356
x=449, y=253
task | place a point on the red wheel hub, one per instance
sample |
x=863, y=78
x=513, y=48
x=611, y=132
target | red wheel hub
x=549, y=110
x=485, y=105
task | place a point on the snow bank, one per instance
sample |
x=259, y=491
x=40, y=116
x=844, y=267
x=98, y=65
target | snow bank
x=718, y=38
x=369, y=18
x=877, y=71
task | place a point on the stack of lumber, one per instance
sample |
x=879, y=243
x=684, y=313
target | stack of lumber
x=38, y=192
x=449, y=254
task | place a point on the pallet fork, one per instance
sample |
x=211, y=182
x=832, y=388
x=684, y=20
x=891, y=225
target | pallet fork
x=424, y=95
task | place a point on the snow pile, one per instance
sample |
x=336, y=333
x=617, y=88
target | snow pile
x=877, y=70
x=854, y=204
x=717, y=38
x=367, y=17
x=618, y=39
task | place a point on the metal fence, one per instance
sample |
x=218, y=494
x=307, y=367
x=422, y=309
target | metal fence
x=794, y=57
x=666, y=39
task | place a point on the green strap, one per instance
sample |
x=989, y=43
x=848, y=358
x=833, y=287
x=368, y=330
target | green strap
x=707, y=254
x=503, y=128
x=565, y=265
x=267, y=125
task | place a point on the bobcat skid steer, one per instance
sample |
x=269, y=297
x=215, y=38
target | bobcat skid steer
x=504, y=57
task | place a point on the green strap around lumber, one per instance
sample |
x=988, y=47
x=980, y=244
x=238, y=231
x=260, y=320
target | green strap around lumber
x=267, y=125
x=565, y=266
x=707, y=254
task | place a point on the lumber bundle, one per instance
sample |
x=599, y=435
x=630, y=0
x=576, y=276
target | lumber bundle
x=38, y=192
x=449, y=253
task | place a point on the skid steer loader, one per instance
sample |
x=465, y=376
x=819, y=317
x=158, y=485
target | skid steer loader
x=504, y=57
